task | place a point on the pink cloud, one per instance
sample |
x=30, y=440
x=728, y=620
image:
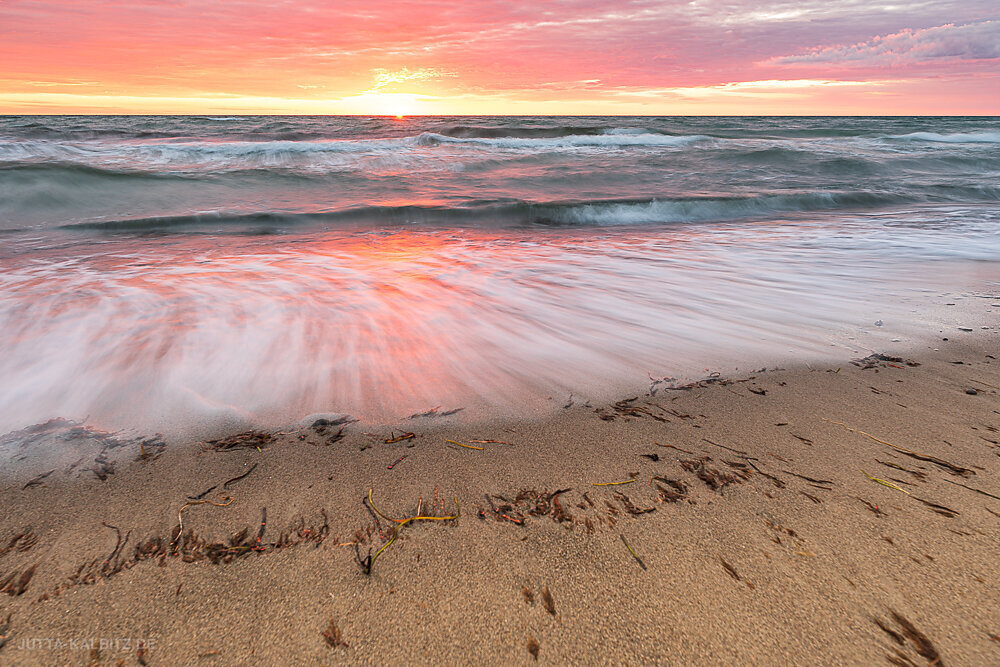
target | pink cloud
x=973, y=41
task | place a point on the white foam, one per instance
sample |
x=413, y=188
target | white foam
x=956, y=138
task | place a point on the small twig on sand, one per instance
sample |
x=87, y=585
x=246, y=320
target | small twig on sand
x=627, y=481
x=455, y=442
x=632, y=551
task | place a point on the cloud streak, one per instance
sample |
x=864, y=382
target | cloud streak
x=972, y=41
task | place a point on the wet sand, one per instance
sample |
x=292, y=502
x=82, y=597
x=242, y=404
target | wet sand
x=759, y=535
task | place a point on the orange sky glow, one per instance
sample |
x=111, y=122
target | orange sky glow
x=572, y=57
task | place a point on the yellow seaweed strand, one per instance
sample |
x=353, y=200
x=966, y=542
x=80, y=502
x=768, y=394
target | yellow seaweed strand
x=403, y=522
x=885, y=483
x=455, y=442
x=379, y=512
x=627, y=481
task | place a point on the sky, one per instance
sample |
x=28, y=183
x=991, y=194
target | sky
x=586, y=57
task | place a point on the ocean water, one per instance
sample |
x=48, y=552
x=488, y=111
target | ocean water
x=179, y=273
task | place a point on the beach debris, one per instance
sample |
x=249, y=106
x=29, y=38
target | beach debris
x=150, y=449
x=652, y=457
x=533, y=647
x=950, y=467
x=875, y=360
x=626, y=408
x=802, y=439
x=712, y=477
x=779, y=530
x=940, y=509
x=730, y=570
x=505, y=511
x=140, y=653
x=397, y=461
x=456, y=442
x=324, y=427
x=971, y=392
x=626, y=481
x=496, y=442
x=811, y=497
x=103, y=466
x=674, y=447
x=885, y=483
x=333, y=637
x=630, y=507
x=436, y=412
x=111, y=563
x=530, y=502
x=972, y=489
x=225, y=485
x=203, y=493
x=20, y=542
x=876, y=510
x=393, y=438
x=922, y=476
x=908, y=632
x=632, y=551
x=368, y=562
x=548, y=602
x=529, y=597
x=180, y=518
x=37, y=481
x=677, y=490
x=17, y=581
x=245, y=440
x=759, y=392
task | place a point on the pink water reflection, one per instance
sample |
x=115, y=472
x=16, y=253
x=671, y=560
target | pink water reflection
x=187, y=332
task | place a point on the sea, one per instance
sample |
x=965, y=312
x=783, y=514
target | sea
x=188, y=273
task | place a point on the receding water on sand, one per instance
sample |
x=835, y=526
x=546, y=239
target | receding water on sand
x=182, y=333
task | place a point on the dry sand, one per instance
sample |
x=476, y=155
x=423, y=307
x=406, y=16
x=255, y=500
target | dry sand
x=797, y=559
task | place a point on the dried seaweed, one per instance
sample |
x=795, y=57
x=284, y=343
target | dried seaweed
x=940, y=509
x=333, y=637
x=873, y=507
x=17, y=582
x=37, y=481
x=972, y=489
x=875, y=360
x=730, y=570
x=674, y=447
x=225, y=485
x=246, y=440
x=677, y=491
x=950, y=467
x=547, y=601
x=21, y=542
x=529, y=597
x=712, y=477
x=921, y=643
x=533, y=647
x=435, y=412
x=630, y=507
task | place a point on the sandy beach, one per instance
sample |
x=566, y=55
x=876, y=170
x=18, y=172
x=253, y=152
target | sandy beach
x=837, y=513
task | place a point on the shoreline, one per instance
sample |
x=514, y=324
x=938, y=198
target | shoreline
x=780, y=547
